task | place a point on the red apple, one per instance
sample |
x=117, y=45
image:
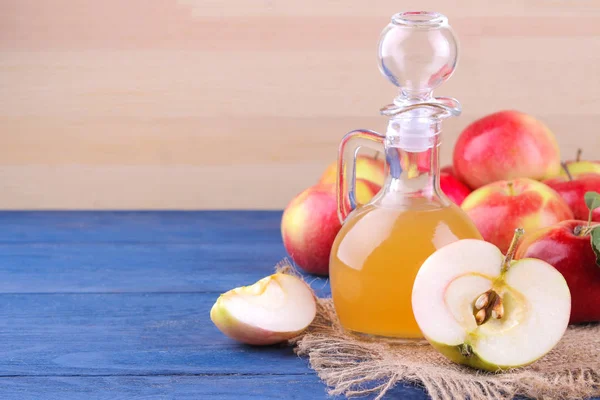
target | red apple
x=452, y=187
x=505, y=145
x=567, y=247
x=310, y=223
x=572, y=190
x=499, y=208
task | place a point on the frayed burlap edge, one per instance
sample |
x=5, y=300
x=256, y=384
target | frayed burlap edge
x=353, y=366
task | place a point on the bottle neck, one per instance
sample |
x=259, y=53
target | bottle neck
x=414, y=171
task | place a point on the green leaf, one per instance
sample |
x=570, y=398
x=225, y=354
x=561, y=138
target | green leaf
x=592, y=200
x=595, y=235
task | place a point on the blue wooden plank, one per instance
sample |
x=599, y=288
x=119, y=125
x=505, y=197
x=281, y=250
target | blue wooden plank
x=178, y=387
x=117, y=334
x=50, y=268
x=86, y=260
x=140, y=226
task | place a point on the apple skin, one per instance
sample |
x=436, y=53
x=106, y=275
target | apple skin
x=454, y=354
x=572, y=256
x=367, y=168
x=505, y=145
x=452, y=186
x=501, y=207
x=573, y=191
x=310, y=224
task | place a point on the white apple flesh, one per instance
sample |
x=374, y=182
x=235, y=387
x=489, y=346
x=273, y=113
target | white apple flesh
x=526, y=321
x=272, y=310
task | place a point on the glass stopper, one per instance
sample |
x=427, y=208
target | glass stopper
x=418, y=51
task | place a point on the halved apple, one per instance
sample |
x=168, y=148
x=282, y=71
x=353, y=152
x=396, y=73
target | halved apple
x=482, y=309
x=274, y=309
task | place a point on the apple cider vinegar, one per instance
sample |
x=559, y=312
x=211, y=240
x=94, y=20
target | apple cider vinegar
x=376, y=257
x=381, y=245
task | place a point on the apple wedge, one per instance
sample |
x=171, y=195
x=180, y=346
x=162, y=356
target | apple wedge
x=274, y=309
x=482, y=309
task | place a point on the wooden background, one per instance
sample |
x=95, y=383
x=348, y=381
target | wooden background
x=240, y=104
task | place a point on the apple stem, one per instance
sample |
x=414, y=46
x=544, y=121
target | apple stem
x=511, y=191
x=565, y=168
x=584, y=230
x=579, y=152
x=512, y=249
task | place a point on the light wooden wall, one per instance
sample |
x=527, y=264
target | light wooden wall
x=240, y=104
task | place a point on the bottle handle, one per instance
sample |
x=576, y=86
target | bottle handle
x=346, y=179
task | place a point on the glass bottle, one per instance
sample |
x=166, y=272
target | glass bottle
x=382, y=244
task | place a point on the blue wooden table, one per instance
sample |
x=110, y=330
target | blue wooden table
x=115, y=305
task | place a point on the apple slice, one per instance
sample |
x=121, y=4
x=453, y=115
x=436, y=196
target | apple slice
x=272, y=310
x=482, y=309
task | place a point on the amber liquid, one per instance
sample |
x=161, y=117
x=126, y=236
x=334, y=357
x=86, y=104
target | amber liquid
x=376, y=256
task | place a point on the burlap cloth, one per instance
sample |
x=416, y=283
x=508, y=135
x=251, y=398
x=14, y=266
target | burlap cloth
x=353, y=366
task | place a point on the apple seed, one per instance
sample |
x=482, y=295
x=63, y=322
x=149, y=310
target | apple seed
x=498, y=308
x=488, y=304
x=482, y=301
x=480, y=316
